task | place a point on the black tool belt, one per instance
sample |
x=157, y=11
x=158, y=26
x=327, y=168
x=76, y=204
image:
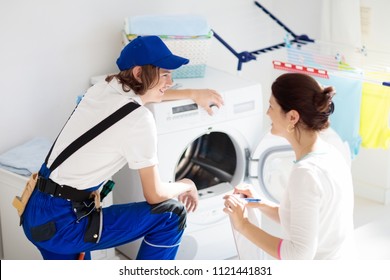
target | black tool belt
x=83, y=206
x=48, y=186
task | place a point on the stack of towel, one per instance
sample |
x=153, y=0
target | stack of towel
x=185, y=35
x=26, y=158
x=183, y=26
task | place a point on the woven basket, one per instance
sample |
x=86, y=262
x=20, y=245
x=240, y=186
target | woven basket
x=195, y=49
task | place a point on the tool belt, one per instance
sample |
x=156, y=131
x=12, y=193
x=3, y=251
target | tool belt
x=84, y=204
x=20, y=202
x=48, y=186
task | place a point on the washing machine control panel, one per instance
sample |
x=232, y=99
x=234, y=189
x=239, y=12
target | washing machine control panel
x=190, y=110
x=242, y=98
x=183, y=114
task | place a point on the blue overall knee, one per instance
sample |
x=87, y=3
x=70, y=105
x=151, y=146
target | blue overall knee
x=163, y=241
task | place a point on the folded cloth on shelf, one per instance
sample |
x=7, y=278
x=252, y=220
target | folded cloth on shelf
x=180, y=25
x=27, y=158
x=130, y=37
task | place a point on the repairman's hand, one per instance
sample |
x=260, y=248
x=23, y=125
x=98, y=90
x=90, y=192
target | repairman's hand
x=207, y=99
x=190, y=198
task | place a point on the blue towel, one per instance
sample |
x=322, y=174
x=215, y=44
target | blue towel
x=346, y=118
x=26, y=158
x=180, y=25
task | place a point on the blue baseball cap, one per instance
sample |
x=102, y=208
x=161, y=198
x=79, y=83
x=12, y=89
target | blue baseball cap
x=145, y=50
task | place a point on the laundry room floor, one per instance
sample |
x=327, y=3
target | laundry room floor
x=372, y=223
x=372, y=229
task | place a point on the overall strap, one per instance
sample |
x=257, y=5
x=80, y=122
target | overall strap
x=91, y=133
x=52, y=146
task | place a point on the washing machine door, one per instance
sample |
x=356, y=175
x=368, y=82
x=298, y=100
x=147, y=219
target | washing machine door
x=273, y=159
x=270, y=166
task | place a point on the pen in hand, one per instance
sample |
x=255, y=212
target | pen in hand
x=248, y=199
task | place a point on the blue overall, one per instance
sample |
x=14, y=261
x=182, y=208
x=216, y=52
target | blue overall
x=51, y=224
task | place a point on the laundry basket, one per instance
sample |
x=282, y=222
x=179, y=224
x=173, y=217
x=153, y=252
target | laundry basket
x=195, y=49
x=188, y=36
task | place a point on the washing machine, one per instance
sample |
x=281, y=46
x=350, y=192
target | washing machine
x=213, y=151
x=216, y=152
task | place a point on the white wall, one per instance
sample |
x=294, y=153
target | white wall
x=50, y=49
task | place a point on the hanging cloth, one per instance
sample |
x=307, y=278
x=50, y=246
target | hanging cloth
x=375, y=114
x=346, y=117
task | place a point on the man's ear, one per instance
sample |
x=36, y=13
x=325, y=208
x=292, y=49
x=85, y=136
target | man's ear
x=137, y=70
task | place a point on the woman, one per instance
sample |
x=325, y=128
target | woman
x=316, y=211
x=63, y=225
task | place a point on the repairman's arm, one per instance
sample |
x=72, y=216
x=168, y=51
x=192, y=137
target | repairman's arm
x=205, y=98
x=156, y=191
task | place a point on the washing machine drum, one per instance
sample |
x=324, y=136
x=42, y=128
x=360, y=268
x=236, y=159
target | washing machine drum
x=273, y=159
x=209, y=160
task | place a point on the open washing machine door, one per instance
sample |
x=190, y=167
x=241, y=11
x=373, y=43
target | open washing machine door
x=273, y=158
x=270, y=166
x=268, y=171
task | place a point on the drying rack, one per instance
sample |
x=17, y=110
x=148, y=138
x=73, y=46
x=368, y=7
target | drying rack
x=318, y=58
x=246, y=56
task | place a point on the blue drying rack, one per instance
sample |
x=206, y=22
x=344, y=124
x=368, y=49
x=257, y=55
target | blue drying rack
x=246, y=56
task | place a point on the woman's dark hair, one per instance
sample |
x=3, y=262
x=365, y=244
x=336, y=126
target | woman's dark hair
x=148, y=79
x=300, y=92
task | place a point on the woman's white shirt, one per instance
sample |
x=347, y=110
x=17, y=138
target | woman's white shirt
x=316, y=211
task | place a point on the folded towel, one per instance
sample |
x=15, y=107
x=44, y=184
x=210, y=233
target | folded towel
x=129, y=37
x=26, y=158
x=180, y=25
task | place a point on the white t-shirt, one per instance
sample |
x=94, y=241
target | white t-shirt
x=316, y=211
x=132, y=140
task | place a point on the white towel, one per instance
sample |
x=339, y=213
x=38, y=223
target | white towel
x=26, y=158
x=180, y=25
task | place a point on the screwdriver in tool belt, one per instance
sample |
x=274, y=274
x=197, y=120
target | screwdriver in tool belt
x=107, y=188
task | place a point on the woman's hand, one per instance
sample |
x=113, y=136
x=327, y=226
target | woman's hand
x=267, y=207
x=235, y=208
x=245, y=190
x=190, y=198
